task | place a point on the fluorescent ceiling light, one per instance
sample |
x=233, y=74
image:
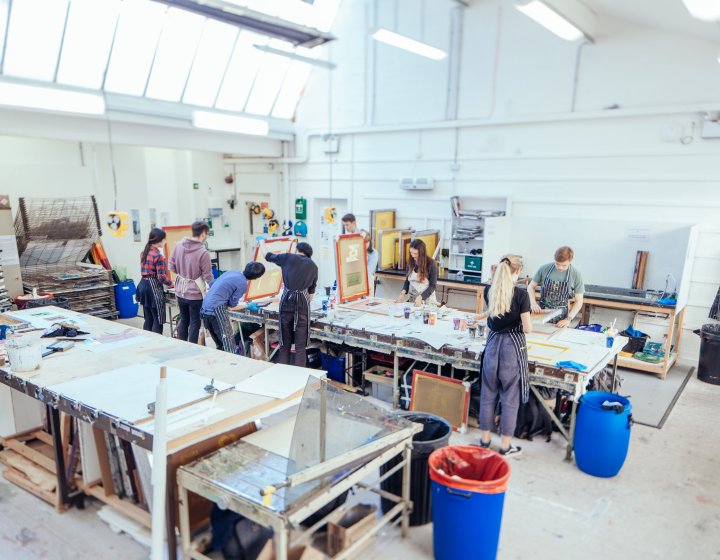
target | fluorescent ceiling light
x=706, y=10
x=557, y=20
x=229, y=123
x=408, y=44
x=51, y=99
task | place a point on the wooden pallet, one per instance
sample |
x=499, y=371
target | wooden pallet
x=30, y=462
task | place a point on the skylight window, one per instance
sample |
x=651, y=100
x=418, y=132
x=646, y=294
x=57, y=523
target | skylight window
x=88, y=38
x=291, y=90
x=136, y=38
x=269, y=79
x=3, y=24
x=174, y=56
x=241, y=72
x=211, y=59
x=33, y=41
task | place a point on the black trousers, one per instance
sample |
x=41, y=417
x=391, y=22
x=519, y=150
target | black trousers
x=152, y=319
x=189, y=326
x=290, y=335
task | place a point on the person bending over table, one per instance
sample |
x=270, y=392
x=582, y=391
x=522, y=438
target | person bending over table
x=505, y=373
x=300, y=276
x=154, y=274
x=559, y=282
x=224, y=295
x=421, y=279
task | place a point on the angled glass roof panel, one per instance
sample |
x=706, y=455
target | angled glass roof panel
x=319, y=14
x=175, y=53
x=34, y=38
x=4, y=4
x=88, y=38
x=241, y=72
x=269, y=80
x=291, y=90
x=211, y=60
x=136, y=38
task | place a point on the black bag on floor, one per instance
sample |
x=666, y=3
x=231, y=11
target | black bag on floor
x=533, y=420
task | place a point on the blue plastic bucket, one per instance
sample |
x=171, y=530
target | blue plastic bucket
x=602, y=433
x=125, y=302
x=468, y=494
x=334, y=366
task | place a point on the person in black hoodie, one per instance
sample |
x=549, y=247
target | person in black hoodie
x=300, y=275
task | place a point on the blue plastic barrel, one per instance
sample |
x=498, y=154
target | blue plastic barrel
x=468, y=494
x=602, y=433
x=125, y=301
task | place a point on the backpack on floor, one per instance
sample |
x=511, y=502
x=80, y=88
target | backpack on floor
x=533, y=420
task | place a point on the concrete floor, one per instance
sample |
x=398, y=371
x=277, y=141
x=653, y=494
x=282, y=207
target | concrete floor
x=664, y=504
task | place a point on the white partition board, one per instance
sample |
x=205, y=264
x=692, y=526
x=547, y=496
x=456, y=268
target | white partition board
x=278, y=381
x=605, y=250
x=126, y=392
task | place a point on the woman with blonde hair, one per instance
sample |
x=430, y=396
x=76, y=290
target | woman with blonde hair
x=505, y=374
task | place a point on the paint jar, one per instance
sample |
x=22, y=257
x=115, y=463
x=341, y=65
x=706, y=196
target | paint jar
x=456, y=323
x=432, y=317
x=24, y=354
x=406, y=312
x=472, y=330
x=610, y=337
x=426, y=317
x=463, y=324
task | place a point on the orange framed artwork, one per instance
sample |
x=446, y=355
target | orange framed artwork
x=351, y=266
x=269, y=284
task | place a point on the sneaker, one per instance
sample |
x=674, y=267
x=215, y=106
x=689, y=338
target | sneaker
x=484, y=444
x=512, y=451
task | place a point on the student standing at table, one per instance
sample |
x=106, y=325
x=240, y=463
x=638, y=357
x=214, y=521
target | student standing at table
x=421, y=279
x=505, y=373
x=224, y=295
x=300, y=276
x=150, y=292
x=559, y=282
x=190, y=261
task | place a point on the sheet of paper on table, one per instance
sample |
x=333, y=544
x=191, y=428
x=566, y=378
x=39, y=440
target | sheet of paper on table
x=43, y=318
x=125, y=392
x=278, y=381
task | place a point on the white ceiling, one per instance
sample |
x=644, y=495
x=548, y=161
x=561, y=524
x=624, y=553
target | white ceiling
x=666, y=15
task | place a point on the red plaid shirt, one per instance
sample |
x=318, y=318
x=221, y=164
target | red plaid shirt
x=154, y=266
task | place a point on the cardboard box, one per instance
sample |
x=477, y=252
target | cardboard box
x=257, y=350
x=347, y=527
x=295, y=553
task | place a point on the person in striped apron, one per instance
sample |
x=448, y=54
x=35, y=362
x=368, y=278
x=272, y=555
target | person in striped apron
x=505, y=373
x=300, y=276
x=421, y=279
x=224, y=295
x=559, y=282
x=154, y=274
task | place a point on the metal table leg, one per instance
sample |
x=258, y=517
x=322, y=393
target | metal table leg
x=571, y=433
x=614, y=375
x=406, y=491
x=184, y=522
x=396, y=380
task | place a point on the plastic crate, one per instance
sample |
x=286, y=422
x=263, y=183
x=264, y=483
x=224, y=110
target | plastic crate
x=334, y=366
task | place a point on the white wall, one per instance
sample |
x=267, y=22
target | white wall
x=528, y=125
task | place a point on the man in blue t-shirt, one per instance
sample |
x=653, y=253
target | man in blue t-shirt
x=224, y=295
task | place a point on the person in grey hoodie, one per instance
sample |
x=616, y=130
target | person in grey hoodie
x=190, y=261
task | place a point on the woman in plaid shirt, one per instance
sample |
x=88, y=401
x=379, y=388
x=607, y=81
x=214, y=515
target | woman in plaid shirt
x=154, y=274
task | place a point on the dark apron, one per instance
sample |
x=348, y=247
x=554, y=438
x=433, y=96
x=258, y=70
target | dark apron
x=152, y=295
x=227, y=335
x=300, y=302
x=555, y=294
x=520, y=344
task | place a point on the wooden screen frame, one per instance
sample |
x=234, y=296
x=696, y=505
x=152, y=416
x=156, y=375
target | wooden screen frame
x=363, y=258
x=261, y=258
x=171, y=242
x=378, y=215
x=433, y=378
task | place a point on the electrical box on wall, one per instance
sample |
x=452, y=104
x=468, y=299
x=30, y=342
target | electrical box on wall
x=417, y=183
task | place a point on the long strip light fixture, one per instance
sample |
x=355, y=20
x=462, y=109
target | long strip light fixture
x=51, y=99
x=406, y=43
x=223, y=122
x=568, y=19
x=706, y=10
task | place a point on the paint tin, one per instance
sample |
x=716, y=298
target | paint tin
x=426, y=317
x=456, y=323
x=406, y=312
x=471, y=331
x=463, y=325
x=432, y=317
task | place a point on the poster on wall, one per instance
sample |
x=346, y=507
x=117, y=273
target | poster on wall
x=135, y=216
x=269, y=284
x=352, y=270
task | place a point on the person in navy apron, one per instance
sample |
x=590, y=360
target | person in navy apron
x=505, y=372
x=421, y=279
x=225, y=295
x=154, y=274
x=300, y=276
x=559, y=282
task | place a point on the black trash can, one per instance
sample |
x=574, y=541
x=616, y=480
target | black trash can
x=709, y=365
x=435, y=434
